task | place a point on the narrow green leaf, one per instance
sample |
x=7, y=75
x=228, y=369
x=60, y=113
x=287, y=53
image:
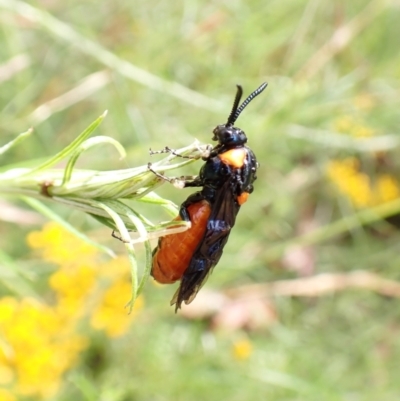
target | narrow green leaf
x=71, y=147
x=85, y=146
x=15, y=141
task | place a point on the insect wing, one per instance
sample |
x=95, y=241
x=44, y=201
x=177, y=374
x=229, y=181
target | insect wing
x=209, y=251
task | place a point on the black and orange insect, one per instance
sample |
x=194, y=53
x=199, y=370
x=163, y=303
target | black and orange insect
x=227, y=178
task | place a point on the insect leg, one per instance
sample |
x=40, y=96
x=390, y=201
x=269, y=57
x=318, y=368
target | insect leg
x=179, y=182
x=170, y=151
x=204, y=151
x=114, y=235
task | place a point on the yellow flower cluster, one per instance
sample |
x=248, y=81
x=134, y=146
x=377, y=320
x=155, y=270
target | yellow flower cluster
x=38, y=346
x=109, y=315
x=348, y=125
x=358, y=186
x=363, y=190
x=39, y=343
x=60, y=247
x=242, y=349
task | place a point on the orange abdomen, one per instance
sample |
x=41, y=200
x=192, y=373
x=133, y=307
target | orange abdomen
x=174, y=252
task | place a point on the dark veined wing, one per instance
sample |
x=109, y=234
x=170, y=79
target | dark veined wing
x=209, y=251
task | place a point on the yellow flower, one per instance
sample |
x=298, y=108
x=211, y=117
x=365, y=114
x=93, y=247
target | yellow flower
x=39, y=343
x=359, y=190
x=362, y=131
x=6, y=395
x=82, y=278
x=343, y=124
x=114, y=267
x=73, y=287
x=7, y=308
x=37, y=347
x=242, y=349
x=357, y=185
x=110, y=315
x=387, y=188
x=350, y=181
x=61, y=247
x=6, y=372
x=348, y=125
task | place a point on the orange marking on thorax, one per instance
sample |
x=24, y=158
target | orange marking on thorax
x=242, y=198
x=234, y=157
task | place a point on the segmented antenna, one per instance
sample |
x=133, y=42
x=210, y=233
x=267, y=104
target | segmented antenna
x=238, y=96
x=235, y=110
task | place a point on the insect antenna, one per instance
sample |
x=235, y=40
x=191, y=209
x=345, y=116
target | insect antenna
x=236, y=111
x=232, y=118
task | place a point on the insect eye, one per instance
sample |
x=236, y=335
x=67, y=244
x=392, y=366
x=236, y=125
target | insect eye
x=222, y=134
x=217, y=132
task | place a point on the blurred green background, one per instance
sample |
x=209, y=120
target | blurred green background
x=326, y=135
